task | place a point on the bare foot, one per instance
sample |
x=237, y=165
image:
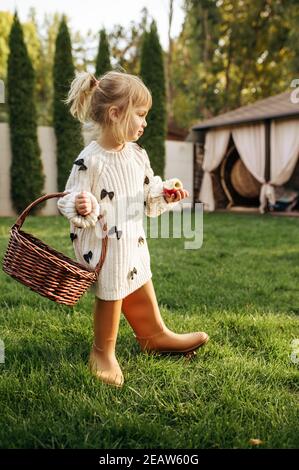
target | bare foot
x=105, y=367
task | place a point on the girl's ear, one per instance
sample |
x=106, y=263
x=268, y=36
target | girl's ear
x=113, y=113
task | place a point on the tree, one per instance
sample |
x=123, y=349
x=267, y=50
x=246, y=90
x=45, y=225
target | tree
x=103, y=63
x=67, y=128
x=126, y=44
x=231, y=53
x=195, y=66
x=44, y=68
x=40, y=43
x=152, y=73
x=293, y=37
x=169, y=58
x=27, y=178
x=6, y=20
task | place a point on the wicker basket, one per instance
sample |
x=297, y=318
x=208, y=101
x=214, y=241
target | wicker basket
x=45, y=270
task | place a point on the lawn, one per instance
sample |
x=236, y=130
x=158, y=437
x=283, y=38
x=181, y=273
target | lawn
x=241, y=287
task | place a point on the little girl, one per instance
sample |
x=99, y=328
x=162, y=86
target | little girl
x=112, y=180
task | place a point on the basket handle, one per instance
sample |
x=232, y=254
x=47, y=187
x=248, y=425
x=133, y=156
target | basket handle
x=21, y=219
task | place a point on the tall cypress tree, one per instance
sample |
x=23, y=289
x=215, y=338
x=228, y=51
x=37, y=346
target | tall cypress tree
x=293, y=36
x=103, y=63
x=153, y=75
x=27, y=178
x=67, y=129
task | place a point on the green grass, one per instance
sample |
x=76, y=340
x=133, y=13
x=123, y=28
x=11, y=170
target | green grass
x=241, y=287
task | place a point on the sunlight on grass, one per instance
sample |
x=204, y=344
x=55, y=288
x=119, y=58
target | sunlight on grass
x=241, y=287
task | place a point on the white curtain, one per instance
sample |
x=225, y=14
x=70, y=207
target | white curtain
x=284, y=155
x=215, y=148
x=250, y=143
x=284, y=150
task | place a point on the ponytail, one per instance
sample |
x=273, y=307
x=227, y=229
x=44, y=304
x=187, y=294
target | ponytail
x=91, y=99
x=80, y=95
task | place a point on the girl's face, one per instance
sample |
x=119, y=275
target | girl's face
x=138, y=123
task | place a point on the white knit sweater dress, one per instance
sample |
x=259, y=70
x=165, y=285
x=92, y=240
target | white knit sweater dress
x=122, y=187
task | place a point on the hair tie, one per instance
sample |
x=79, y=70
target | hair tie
x=95, y=82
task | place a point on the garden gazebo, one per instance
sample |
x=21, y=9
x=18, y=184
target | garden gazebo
x=249, y=156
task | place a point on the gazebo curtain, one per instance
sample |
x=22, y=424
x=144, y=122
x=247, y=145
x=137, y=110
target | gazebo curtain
x=284, y=147
x=250, y=143
x=284, y=150
x=215, y=148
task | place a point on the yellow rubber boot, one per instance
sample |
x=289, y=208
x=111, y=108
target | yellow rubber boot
x=143, y=314
x=102, y=360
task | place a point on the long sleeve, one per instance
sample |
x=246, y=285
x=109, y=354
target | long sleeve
x=154, y=202
x=80, y=179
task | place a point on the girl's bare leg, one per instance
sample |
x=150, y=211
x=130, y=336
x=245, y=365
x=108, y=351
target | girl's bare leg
x=102, y=361
x=143, y=314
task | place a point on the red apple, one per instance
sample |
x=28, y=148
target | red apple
x=171, y=186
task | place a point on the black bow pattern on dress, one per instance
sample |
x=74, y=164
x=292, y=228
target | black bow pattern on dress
x=88, y=256
x=140, y=241
x=134, y=271
x=146, y=180
x=114, y=230
x=73, y=236
x=80, y=163
x=105, y=193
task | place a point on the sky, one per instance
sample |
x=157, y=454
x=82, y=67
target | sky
x=95, y=14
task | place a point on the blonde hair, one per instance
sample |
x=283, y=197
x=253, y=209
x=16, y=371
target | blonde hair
x=91, y=99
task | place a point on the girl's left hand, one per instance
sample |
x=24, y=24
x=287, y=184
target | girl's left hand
x=178, y=196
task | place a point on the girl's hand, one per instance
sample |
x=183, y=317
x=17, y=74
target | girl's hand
x=178, y=196
x=83, y=204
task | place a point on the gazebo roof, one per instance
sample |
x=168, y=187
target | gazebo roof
x=277, y=106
